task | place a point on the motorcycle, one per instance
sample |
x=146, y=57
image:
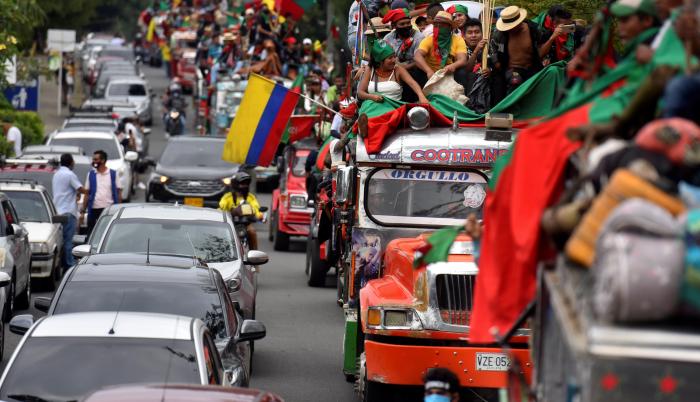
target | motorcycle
x=243, y=219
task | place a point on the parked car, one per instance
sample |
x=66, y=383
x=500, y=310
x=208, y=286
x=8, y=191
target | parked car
x=190, y=170
x=204, y=233
x=67, y=356
x=49, y=152
x=90, y=122
x=15, y=259
x=118, y=109
x=146, y=283
x=41, y=167
x=291, y=215
x=37, y=214
x=180, y=392
x=134, y=90
x=91, y=141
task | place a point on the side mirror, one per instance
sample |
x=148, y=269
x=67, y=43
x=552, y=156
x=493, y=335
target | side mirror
x=251, y=330
x=42, y=304
x=280, y=164
x=81, y=251
x=310, y=203
x=18, y=230
x=5, y=279
x=263, y=209
x=131, y=156
x=255, y=257
x=62, y=219
x=20, y=324
x=79, y=239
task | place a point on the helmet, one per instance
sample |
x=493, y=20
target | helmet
x=240, y=177
x=174, y=87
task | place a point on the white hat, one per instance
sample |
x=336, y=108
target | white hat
x=307, y=41
x=510, y=18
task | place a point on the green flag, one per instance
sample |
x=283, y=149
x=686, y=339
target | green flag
x=439, y=245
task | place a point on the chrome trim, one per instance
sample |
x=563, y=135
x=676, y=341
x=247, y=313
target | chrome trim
x=198, y=338
x=433, y=320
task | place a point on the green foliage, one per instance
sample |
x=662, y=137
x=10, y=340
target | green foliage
x=117, y=16
x=4, y=103
x=5, y=147
x=29, y=123
x=17, y=21
x=583, y=9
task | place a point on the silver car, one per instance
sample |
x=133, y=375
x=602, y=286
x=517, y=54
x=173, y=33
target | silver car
x=134, y=90
x=38, y=215
x=205, y=233
x=15, y=258
x=78, y=353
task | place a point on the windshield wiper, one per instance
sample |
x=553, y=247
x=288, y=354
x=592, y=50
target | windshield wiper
x=27, y=398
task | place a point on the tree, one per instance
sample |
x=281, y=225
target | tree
x=17, y=21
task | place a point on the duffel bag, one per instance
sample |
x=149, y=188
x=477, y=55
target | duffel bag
x=623, y=185
x=638, y=270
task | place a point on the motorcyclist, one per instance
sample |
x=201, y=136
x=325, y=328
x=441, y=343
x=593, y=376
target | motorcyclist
x=238, y=196
x=174, y=99
x=174, y=122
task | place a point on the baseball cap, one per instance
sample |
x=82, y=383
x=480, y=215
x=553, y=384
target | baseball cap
x=624, y=8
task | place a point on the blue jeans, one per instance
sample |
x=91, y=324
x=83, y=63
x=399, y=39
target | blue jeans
x=681, y=97
x=68, y=232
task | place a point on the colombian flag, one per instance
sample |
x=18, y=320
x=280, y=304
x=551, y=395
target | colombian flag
x=259, y=123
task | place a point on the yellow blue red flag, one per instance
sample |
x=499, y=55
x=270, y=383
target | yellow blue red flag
x=260, y=122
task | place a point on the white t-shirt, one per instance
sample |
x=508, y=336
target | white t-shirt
x=103, y=193
x=15, y=136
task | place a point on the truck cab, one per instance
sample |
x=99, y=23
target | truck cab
x=291, y=214
x=401, y=319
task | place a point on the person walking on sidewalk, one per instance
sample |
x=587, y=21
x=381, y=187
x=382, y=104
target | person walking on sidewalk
x=66, y=186
x=104, y=189
x=14, y=137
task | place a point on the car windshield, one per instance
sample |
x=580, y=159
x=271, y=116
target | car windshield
x=90, y=145
x=191, y=300
x=424, y=197
x=298, y=168
x=183, y=154
x=212, y=241
x=70, y=368
x=30, y=206
x=126, y=90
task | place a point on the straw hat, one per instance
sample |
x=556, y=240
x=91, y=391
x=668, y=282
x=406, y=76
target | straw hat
x=378, y=25
x=510, y=18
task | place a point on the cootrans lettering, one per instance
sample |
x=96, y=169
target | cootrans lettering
x=473, y=156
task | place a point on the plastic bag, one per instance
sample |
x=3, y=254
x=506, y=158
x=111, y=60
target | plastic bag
x=445, y=84
x=480, y=95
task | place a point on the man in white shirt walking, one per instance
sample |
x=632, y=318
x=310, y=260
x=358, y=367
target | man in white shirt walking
x=104, y=189
x=14, y=137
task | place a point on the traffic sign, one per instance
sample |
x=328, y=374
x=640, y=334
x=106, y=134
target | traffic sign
x=62, y=40
x=24, y=95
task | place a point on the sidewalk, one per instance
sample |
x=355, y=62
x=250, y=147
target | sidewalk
x=48, y=101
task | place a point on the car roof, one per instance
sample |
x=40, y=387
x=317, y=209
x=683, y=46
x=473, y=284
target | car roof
x=172, y=212
x=84, y=133
x=82, y=128
x=115, y=324
x=180, y=392
x=154, y=268
x=108, y=102
x=7, y=184
x=57, y=149
x=126, y=79
x=95, y=120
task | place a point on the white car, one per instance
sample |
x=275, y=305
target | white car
x=134, y=90
x=92, y=141
x=37, y=214
x=79, y=353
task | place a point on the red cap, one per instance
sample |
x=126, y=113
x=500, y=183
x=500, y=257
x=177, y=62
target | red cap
x=395, y=15
x=291, y=40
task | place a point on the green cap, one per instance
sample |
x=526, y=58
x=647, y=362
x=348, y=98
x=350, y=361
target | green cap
x=625, y=8
x=380, y=50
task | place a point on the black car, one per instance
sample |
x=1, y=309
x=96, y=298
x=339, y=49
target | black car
x=156, y=284
x=191, y=171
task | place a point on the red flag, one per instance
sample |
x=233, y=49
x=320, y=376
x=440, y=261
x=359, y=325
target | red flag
x=300, y=126
x=511, y=242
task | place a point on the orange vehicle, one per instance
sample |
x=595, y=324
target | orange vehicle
x=408, y=328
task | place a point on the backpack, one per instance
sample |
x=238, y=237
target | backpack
x=638, y=268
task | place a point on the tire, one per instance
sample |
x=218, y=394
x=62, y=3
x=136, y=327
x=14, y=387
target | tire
x=370, y=391
x=55, y=271
x=271, y=227
x=317, y=267
x=24, y=300
x=10, y=300
x=281, y=239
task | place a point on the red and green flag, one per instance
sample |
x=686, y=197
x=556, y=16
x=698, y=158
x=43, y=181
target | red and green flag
x=529, y=178
x=294, y=9
x=299, y=127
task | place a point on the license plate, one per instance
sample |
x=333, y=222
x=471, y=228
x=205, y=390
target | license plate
x=492, y=362
x=194, y=201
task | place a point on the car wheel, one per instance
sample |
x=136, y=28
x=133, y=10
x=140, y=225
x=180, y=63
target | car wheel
x=24, y=300
x=281, y=240
x=10, y=300
x=370, y=391
x=272, y=227
x=55, y=272
x=317, y=267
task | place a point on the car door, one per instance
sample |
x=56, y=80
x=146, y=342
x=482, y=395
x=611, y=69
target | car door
x=19, y=243
x=57, y=229
x=212, y=360
x=249, y=278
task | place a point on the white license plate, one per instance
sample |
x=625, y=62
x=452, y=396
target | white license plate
x=492, y=362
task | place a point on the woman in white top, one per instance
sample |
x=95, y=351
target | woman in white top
x=385, y=76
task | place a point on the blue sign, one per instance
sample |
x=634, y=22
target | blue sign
x=24, y=96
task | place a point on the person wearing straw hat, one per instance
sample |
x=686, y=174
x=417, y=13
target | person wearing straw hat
x=380, y=27
x=515, y=44
x=403, y=39
x=443, y=50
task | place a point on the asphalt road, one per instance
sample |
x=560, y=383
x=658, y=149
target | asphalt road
x=301, y=357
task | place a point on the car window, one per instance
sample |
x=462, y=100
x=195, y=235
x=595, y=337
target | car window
x=70, y=368
x=204, y=153
x=298, y=165
x=126, y=90
x=30, y=206
x=98, y=231
x=191, y=300
x=212, y=241
x=90, y=145
x=10, y=213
